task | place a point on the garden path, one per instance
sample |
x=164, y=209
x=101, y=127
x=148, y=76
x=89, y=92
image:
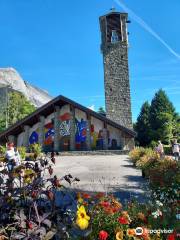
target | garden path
x=110, y=173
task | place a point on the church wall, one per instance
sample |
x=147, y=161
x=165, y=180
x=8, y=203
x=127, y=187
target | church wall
x=96, y=133
x=20, y=139
x=49, y=118
x=129, y=142
x=116, y=139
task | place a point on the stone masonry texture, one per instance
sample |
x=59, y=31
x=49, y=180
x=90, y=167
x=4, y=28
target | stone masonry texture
x=116, y=77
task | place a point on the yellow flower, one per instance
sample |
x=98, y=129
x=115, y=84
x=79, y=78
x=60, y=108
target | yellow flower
x=119, y=235
x=116, y=204
x=82, y=223
x=82, y=218
x=79, y=198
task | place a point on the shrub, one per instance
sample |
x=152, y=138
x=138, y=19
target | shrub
x=167, y=149
x=149, y=159
x=136, y=154
x=28, y=206
x=36, y=149
x=153, y=144
x=22, y=152
x=164, y=173
x=2, y=150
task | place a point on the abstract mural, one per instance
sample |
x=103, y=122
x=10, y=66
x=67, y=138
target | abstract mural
x=49, y=133
x=96, y=130
x=80, y=136
x=81, y=130
x=34, y=137
x=65, y=124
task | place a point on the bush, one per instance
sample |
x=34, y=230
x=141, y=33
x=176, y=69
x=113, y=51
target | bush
x=2, y=150
x=28, y=206
x=153, y=144
x=22, y=152
x=149, y=160
x=36, y=149
x=164, y=173
x=167, y=150
x=136, y=154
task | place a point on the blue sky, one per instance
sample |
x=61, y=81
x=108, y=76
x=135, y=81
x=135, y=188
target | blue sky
x=55, y=44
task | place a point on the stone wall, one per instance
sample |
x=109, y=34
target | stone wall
x=117, y=88
x=116, y=71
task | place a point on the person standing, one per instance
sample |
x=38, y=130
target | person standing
x=176, y=150
x=13, y=157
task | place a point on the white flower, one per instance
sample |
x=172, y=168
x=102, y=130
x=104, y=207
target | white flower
x=159, y=203
x=157, y=213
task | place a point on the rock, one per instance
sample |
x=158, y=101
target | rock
x=10, y=77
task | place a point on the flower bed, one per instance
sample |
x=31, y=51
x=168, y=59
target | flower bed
x=105, y=218
x=34, y=204
x=164, y=180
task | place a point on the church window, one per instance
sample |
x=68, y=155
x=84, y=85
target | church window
x=114, y=37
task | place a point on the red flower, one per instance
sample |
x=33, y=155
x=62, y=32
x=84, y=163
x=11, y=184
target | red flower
x=86, y=195
x=105, y=204
x=123, y=220
x=103, y=235
x=50, y=195
x=29, y=224
x=115, y=209
x=171, y=237
x=34, y=194
x=99, y=195
x=108, y=210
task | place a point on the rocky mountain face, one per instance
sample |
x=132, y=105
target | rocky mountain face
x=11, y=78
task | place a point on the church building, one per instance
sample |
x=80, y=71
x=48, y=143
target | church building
x=64, y=125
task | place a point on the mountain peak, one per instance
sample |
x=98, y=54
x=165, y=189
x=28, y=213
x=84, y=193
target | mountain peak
x=10, y=77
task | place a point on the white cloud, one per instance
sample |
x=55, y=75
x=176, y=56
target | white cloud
x=92, y=107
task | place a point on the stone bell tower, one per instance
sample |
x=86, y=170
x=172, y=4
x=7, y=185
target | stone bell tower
x=114, y=47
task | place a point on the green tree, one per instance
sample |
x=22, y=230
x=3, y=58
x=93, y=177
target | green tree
x=18, y=108
x=162, y=117
x=176, y=127
x=101, y=111
x=2, y=122
x=142, y=126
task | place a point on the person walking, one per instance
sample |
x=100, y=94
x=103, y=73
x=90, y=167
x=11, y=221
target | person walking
x=176, y=149
x=160, y=149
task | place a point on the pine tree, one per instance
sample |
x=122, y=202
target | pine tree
x=142, y=126
x=101, y=111
x=162, y=117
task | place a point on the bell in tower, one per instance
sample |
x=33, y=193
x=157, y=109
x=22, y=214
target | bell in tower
x=114, y=47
